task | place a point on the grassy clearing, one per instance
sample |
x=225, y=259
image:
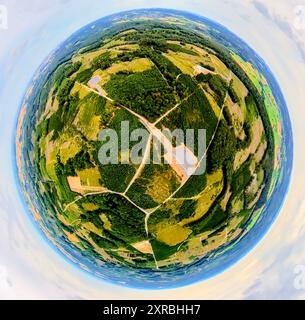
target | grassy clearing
x=185, y=62
x=106, y=222
x=154, y=185
x=172, y=234
x=207, y=197
x=90, y=177
x=69, y=148
x=201, y=52
x=88, y=206
x=50, y=154
x=161, y=185
x=81, y=90
x=256, y=183
x=88, y=119
x=136, y=65
x=113, y=43
x=92, y=228
x=239, y=87
x=213, y=104
x=237, y=205
x=87, y=58
x=219, y=66
x=72, y=215
x=75, y=185
x=127, y=47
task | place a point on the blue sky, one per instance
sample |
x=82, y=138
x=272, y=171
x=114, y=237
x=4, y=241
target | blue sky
x=29, y=268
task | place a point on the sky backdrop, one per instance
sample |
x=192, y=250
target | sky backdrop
x=30, y=268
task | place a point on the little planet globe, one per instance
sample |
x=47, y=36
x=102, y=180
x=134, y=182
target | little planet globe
x=145, y=224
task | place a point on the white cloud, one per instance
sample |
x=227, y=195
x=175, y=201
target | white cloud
x=288, y=15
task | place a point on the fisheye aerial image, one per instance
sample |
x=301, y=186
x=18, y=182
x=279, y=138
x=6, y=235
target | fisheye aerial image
x=152, y=152
x=148, y=224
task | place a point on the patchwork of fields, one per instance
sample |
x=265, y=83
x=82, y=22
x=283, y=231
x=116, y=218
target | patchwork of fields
x=155, y=77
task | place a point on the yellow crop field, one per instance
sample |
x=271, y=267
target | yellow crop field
x=89, y=177
x=172, y=234
x=136, y=65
